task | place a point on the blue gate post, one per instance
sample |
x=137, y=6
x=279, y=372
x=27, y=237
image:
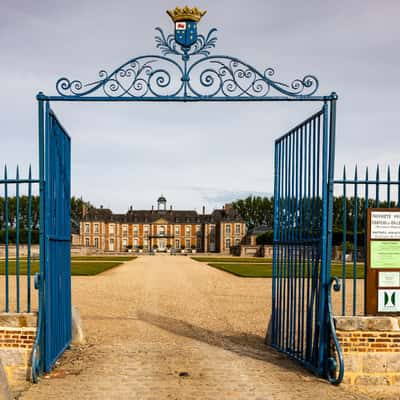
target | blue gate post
x=333, y=369
x=37, y=359
x=273, y=333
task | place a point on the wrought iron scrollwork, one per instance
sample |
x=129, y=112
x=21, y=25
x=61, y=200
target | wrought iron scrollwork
x=335, y=364
x=196, y=75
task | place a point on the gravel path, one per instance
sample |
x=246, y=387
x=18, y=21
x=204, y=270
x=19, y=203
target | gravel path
x=170, y=328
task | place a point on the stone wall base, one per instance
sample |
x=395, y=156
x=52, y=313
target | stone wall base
x=17, y=336
x=371, y=349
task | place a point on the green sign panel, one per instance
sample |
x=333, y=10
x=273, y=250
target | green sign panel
x=385, y=254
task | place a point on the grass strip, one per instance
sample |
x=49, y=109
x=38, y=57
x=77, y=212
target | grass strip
x=78, y=268
x=265, y=270
x=255, y=260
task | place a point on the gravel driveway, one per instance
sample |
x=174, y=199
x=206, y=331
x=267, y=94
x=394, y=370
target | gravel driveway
x=163, y=327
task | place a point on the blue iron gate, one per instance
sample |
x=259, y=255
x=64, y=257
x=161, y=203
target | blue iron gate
x=187, y=72
x=301, y=316
x=54, y=280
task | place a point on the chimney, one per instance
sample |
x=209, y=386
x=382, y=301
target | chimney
x=152, y=208
x=131, y=208
x=84, y=210
x=170, y=208
x=101, y=206
x=204, y=210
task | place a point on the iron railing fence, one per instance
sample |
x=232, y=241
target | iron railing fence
x=354, y=195
x=18, y=230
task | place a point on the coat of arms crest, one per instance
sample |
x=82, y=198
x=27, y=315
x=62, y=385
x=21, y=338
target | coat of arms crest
x=186, y=20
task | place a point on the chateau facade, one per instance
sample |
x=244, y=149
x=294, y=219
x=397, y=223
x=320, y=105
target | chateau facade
x=162, y=228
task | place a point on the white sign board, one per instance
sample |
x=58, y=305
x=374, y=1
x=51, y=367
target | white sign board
x=385, y=225
x=389, y=279
x=389, y=300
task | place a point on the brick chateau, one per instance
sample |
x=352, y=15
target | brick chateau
x=162, y=228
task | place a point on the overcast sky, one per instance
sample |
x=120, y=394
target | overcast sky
x=204, y=153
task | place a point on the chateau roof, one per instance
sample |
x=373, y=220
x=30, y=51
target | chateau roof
x=171, y=216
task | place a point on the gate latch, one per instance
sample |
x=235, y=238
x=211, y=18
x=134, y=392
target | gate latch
x=37, y=280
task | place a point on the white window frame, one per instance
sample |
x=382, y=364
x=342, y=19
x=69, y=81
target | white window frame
x=226, y=243
x=238, y=229
x=87, y=228
x=228, y=229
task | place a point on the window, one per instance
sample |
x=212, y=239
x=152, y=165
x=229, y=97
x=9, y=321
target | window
x=96, y=228
x=177, y=244
x=161, y=230
x=111, y=229
x=124, y=230
x=96, y=243
x=145, y=243
x=135, y=243
x=87, y=242
x=188, y=244
x=198, y=228
x=228, y=229
x=124, y=242
x=177, y=230
x=227, y=243
x=237, y=229
x=146, y=230
x=87, y=228
x=135, y=230
x=112, y=244
x=188, y=229
x=237, y=242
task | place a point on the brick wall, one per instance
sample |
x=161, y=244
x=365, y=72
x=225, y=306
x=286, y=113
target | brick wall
x=17, y=336
x=371, y=349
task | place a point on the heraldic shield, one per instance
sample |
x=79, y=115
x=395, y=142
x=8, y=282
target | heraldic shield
x=185, y=33
x=186, y=20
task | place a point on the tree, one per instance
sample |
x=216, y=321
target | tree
x=255, y=210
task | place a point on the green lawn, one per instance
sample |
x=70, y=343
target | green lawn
x=264, y=270
x=251, y=260
x=79, y=265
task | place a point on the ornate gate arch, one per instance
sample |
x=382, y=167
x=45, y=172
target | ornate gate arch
x=186, y=71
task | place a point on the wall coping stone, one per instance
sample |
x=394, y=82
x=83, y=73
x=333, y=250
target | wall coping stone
x=367, y=323
x=21, y=320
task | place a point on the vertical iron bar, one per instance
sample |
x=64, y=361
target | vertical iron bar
x=17, y=228
x=275, y=233
x=398, y=186
x=377, y=187
x=6, y=227
x=365, y=238
x=344, y=244
x=388, y=187
x=42, y=241
x=355, y=232
x=303, y=246
x=323, y=277
x=28, y=273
